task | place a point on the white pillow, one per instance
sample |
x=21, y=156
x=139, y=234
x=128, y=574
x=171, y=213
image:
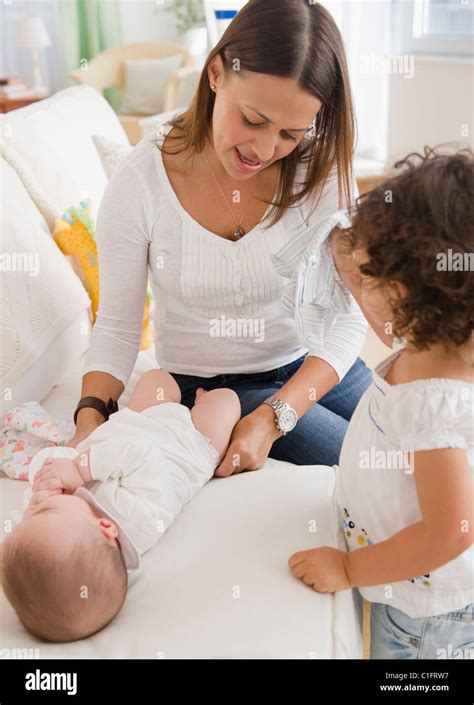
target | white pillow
x=111, y=153
x=145, y=81
x=42, y=302
x=36, y=382
x=51, y=150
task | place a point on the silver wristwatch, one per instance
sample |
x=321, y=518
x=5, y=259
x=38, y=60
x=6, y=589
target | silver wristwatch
x=285, y=415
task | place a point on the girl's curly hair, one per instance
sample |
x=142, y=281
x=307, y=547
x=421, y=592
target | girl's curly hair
x=411, y=225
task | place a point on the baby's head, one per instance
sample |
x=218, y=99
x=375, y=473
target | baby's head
x=63, y=570
x=412, y=239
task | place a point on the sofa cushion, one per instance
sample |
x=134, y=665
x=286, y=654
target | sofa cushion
x=145, y=81
x=49, y=144
x=217, y=585
x=43, y=302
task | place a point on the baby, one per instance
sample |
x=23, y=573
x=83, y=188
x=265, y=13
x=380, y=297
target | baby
x=405, y=481
x=64, y=566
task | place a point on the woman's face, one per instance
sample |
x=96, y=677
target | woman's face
x=288, y=112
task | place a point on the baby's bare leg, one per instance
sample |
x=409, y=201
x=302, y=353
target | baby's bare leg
x=154, y=387
x=215, y=414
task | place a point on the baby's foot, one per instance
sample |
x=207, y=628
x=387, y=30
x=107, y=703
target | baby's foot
x=199, y=392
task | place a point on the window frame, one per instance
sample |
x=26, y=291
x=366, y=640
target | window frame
x=403, y=14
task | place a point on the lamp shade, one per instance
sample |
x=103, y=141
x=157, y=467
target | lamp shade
x=31, y=33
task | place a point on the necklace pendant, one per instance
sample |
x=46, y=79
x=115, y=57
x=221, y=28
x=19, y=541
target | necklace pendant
x=238, y=232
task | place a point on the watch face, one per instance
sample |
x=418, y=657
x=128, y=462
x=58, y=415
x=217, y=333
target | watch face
x=287, y=420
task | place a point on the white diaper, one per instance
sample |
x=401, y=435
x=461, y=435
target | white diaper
x=168, y=410
x=178, y=418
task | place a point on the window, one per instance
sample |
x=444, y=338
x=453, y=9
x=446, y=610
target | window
x=443, y=18
x=442, y=28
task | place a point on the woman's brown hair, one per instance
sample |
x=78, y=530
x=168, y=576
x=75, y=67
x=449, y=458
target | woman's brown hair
x=293, y=39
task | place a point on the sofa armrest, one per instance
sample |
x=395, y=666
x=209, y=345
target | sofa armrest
x=131, y=125
x=180, y=87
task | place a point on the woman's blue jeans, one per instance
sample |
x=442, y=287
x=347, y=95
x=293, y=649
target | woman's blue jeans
x=318, y=435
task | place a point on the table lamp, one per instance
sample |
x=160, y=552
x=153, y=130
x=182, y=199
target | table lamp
x=31, y=34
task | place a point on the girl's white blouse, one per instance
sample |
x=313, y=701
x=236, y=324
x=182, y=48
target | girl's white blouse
x=221, y=306
x=376, y=486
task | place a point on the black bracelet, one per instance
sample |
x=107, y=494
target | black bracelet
x=99, y=405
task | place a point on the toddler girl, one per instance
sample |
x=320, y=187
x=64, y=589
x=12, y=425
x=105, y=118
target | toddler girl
x=404, y=484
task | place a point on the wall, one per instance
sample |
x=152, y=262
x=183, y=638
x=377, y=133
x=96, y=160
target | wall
x=145, y=20
x=432, y=107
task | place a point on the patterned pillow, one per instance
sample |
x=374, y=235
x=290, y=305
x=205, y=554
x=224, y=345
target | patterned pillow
x=74, y=234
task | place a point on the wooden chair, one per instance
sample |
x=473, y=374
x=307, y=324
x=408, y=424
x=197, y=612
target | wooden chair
x=106, y=70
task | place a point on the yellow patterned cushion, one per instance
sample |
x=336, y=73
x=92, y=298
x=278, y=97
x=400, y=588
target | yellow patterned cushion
x=74, y=234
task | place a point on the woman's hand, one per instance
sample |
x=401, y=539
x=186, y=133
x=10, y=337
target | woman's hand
x=250, y=443
x=323, y=569
x=78, y=437
x=87, y=420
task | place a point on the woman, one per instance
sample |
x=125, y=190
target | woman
x=271, y=124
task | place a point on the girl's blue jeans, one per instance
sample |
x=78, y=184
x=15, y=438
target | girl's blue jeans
x=318, y=435
x=395, y=635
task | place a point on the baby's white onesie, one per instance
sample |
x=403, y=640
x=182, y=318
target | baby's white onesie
x=145, y=467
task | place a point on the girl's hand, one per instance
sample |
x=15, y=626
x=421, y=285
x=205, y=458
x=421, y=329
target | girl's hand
x=323, y=569
x=58, y=473
x=250, y=443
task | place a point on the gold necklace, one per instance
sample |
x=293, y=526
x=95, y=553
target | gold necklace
x=238, y=232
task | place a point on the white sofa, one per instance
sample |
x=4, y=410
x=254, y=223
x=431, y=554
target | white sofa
x=217, y=585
